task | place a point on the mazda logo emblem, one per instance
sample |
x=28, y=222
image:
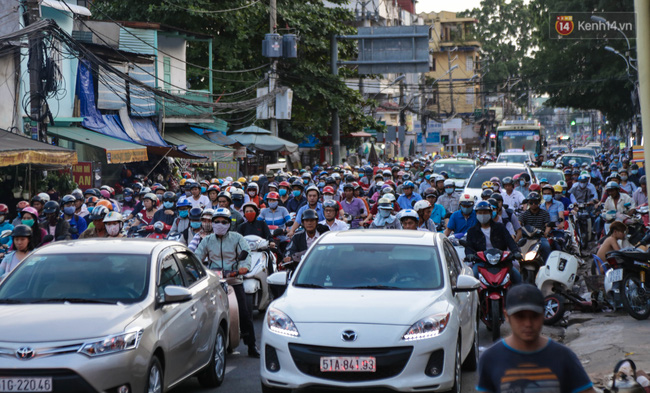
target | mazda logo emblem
x=349, y=335
x=25, y=353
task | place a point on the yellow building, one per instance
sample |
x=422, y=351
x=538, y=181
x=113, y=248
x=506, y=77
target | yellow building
x=453, y=80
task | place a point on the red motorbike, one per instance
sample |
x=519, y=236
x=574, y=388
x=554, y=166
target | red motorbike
x=494, y=275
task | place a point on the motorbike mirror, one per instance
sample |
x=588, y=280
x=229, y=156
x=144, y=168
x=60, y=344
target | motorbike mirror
x=463, y=242
x=5, y=233
x=521, y=242
x=242, y=255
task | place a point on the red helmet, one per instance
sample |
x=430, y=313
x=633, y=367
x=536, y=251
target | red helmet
x=535, y=188
x=214, y=187
x=328, y=190
x=284, y=184
x=389, y=182
x=516, y=177
x=3, y=209
x=273, y=195
x=31, y=211
x=22, y=204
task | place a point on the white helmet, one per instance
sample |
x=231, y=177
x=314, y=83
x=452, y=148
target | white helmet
x=389, y=196
x=449, y=182
x=408, y=213
x=438, y=178
x=421, y=205
x=45, y=197
x=113, y=217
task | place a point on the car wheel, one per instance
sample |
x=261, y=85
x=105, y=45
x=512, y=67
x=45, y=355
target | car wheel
x=457, y=371
x=553, y=309
x=155, y=377
x=273, y=389
x=471, y=362
x=215, y=372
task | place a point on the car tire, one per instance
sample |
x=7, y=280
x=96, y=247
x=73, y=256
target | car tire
x=155, y=378
x=273, y=389
x=215, y=372
x=457, y=388
x=471, y=361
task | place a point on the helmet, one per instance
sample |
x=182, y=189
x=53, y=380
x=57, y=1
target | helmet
x=438, y=178
x=408, y=213
x=22, y=204
x=557, y=188
x=127, y=192
x=92, y=191
x=99, y=212
x=78, y=195
x=105, y=194
x=237, y=193
x=31, y=211
x=91, y=199
x=208, y=212
x=36, y=198
x=495, y=179
x=612, y=185
x=221, y=212
x=421, y=205
x=466, y=200
x=299, y=184
x=389, y=196
x=45, y=197
x=430, y=192
x=214, y=180
x=406, y=176
x=487, y=184
x=508, y=180
x=253, y=186
x=183, y=202
x=309, y=214
x=314, y=188
x=583, y=178
x=192, y=185
x=4, y=209
x=195, y=213
x=535, y=188
x=328, y=190
x=562, y=183
x=51, y=207
x=21, y=231
x=182, y=182
x=169, y=196
x=226, y=195
x=331, y=203
x=152, y=197
x=515, y=177
x=543, y=180
x=450, y=183
x=487, y=193
x=347, y=186
x=66, y=199
x=251, y=204
x=483, y=205
x=534, y=196
x=548, y=187
x=408, y=184
x=384, y=204
x=113, y=217
x=273, y=195
x=214, y=187
x=242, y=180
x=497, y=197
x=444, y=174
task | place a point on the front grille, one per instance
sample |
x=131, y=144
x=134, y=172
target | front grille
x=390, y=361
x=63, y=380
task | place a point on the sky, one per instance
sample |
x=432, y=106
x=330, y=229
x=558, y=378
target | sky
x=445, y=5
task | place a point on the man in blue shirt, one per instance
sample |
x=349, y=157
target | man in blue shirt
x=554, y=208
x=465, y=218
x=312, y=203
x=297, y=200
x=406, y=200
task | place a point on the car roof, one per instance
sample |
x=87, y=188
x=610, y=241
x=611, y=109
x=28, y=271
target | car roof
x=548, y=170
x=514, y=153
x=576, y=155
x=101, y=246
x=502, y=165
x=456, y=159
x=379, y=236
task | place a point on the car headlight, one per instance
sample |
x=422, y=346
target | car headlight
x=530, y=255
x=428, y=327
x=505, y=279
x=483, y=280
x=113, y=344
x=280, y=323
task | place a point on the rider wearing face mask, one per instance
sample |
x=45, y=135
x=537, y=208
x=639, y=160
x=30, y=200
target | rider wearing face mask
x=253, y=226
x=5, y=225
x=583, y=191
x=77, y=224
x=253, y=195
x=554, y=208
x=182, y=222
x=167, y=213
x=228, y=251
x=463, y=219
x=113, y=223
x=22, y=240
x=385, y=219
x=297, y=199
x=193, y=226
x=450, y=199
x=205, y=230
x=274, y=214
x=626, y=184
x=54, y=224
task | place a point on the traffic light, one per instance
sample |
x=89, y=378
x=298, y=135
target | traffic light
x=573, y=122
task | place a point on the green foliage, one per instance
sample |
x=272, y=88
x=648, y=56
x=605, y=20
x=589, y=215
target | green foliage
x=61, y=182
x=238, y=39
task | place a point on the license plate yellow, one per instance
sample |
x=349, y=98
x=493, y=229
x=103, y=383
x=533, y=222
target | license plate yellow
x=348, y=364
x=26, y=384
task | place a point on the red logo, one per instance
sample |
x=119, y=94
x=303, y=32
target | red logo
x=564, y=25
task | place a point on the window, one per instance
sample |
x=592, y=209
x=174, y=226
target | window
x=167, y=72
x=191, y=266
x=469, y=96
x=169, y=275
x=432, y=62
x=453, y=268
x=469, y=63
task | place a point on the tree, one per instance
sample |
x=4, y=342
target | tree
x=238, y=36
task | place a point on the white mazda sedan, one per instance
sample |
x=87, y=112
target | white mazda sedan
x=373, y=309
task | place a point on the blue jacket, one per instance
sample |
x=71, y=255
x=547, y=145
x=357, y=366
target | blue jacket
x=404, y=202
x=77, y=226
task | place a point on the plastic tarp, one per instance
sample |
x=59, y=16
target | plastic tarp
x=143, y=102
x=216, y=137
x=197, y=144
x=117, y=150
x=254, y=137
x=16, y=149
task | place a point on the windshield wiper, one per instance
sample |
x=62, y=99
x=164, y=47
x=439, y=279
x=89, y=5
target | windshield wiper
x=10, y=301
x=376, y=287
x=309, y=286
x=74, y=300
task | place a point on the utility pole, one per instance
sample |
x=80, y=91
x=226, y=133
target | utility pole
x=401, y=116
x=451, y=78
x=38, y=131
x=365, y=22
x=336, y=132
x=274, y=66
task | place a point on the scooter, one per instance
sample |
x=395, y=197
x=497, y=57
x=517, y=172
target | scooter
x=556, y=280
x=455, y=240
x=530, y=246
x=263, y=264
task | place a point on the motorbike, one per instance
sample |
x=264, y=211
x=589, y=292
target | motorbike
x=583, y=225
x=530, y=246
x=494, y=276
x=263, y=264
x=625, y=280
x=556, y=281
x=278, y=281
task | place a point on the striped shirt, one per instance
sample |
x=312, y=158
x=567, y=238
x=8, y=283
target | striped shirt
x=538, y=220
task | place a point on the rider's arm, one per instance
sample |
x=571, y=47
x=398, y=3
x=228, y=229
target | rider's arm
x=243, y=246
x=202, y=250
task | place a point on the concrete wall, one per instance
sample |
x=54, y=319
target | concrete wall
x=175, y=47
x=9, y=90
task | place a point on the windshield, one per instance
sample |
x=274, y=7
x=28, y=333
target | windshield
x=526, y=140
x=485, y=173
x=371, y=266
x=552, y=176
x=456, y=170
x=515, y=158
x=79, y=278
x=579, y=159
x=587, y=151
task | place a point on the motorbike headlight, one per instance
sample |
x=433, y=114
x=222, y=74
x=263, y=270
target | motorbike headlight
x=532, y=253
x=280, y=323
x=493, y=259
x=483, y=280
x=113, y=344
x=505, y=279
x=428, y=327
x=253, y=245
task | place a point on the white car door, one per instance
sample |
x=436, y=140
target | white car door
x=463, y=300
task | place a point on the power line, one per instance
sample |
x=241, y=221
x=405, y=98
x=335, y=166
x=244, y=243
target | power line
x=209, y=11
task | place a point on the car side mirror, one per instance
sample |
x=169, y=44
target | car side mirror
x=176, y=294
x=278, y=283
x=466, y=283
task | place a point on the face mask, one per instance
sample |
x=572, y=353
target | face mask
x=583, y=185
x=563, y=192
x=207, y=226
x=220, y=229
x=282, y=191
x=252, y=194
x=250, y=216
x=384, y=213
x=483, y=218
x=624, y=178
x=427, y=177
x=29, y=223
x=273, y=205
x=449, y=190
x=466, y=210
x=168, y=205
x=494, y=214
x=522, y=182
x=321, y=185
x=328, y=197
x=203, y=189
x=296, y=193
x=188, y=193
x=90, y=209
x=547, y=198
x=128, y=198
x=237, y=202
x=159, y=197
x=634, y=171
x=69, y=210
x=495, y=188
x=195, y=224
x=305, y=181
x=112, y=230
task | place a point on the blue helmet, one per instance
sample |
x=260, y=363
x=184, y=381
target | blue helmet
x=483, y=205
x=183, y=203
x=408, y=184
x=583, y=178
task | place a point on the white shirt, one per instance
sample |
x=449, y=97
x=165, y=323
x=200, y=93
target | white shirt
x=311, y=240
x=486, y=232
x=338, y=225
x=202, y=202
x=513, y=200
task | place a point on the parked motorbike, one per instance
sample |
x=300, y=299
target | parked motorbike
x=556, y=280
x=530, y=249
x=263, y=264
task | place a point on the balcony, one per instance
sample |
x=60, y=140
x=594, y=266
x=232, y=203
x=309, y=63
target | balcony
x=175, y=112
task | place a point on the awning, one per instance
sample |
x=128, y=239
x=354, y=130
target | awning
x=258, y=138
x=16, y=149
x=218, y=125
x=217, y=137
x=196, y=144
x=118, y=151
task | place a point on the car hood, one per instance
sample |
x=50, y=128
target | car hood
x=63, y=322
x=359, y=306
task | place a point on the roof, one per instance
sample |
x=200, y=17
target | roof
x=195, y=143
x=455, y=159
x=17, y=149
x=117, y=150
x=64, y=6
x=254, y=137
x=99, y=246
x=379, y=236
x=164, y=27
x=504, y=165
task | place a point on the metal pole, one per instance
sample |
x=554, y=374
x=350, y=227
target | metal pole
x=336, y=132
x=402, y=122
x=39, y=132
x=451, y=90
x=642, y=9
x=274, y=67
